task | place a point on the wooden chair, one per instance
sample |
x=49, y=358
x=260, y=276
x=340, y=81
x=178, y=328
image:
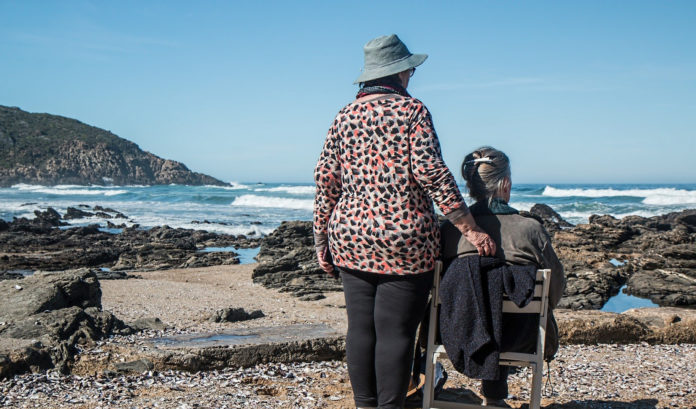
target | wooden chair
x=539, y=305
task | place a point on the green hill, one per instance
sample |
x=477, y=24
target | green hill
x=51, y=150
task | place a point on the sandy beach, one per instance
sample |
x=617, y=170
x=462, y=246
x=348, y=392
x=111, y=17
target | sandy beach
x=185, y=298
x=600, y=376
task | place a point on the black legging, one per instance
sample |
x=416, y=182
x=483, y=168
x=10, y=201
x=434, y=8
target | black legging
x=383, y=314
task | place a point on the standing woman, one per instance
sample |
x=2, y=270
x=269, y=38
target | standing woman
x=377, y=177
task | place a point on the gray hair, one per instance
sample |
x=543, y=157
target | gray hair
x=485, y=170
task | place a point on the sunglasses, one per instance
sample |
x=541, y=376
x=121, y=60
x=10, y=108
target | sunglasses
x=413, y=71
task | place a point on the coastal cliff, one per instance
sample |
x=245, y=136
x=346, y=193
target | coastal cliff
x=52, y=150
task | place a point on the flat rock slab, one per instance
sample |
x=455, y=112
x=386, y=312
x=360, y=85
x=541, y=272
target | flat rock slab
x=248, y=336
x=246, y=347
x=666, y=325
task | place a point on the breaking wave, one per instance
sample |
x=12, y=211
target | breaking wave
x=272, y=201
x=660, y=196
x=70, y=190
x=293, y=190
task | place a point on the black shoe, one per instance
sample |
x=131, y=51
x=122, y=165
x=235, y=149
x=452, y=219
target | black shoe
x=499, y=403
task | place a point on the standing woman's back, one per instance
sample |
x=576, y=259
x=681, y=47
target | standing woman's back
x=382, y=163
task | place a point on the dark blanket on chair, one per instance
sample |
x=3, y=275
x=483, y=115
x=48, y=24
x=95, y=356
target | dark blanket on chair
x=471, y=314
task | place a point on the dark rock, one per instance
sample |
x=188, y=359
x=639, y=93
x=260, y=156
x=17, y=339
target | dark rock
x=211, y=259
x=148, y=323
x=287, y=261
x=312, y=297
x=3, y=225
x=88, y=230
x=113, y=275
x=115, y=226
x=108, y=373
x=33, y=245
x=52, y=314
x=48, y=217
x=10, y=275
x=235, y=314
x=138, y=366
x=666, y=287
x=50, y=291
x=74, y=213
x=687, y=218
x=590, y=289
x=106, y=212
x=551, y=220
x=660, y=255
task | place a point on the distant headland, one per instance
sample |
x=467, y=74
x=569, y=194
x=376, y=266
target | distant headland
x=54, y=150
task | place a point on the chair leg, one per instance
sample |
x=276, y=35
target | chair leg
x=431, y=357
x=428, y=388
x=535, y=395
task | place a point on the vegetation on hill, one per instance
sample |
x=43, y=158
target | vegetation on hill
x=51, y=149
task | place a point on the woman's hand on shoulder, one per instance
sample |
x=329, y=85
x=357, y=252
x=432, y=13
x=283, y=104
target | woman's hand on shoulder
x=482, y=241
x=475, y=235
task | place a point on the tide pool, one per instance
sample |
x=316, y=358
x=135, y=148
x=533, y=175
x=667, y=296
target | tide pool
x=623, y=302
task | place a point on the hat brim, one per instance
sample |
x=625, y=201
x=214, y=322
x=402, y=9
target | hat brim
x=373, y=73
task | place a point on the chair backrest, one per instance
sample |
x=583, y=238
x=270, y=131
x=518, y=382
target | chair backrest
x=539, y=303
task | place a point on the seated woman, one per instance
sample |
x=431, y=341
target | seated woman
x=519, y=240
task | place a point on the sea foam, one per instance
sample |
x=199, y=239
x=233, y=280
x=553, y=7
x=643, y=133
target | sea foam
x=70, y=190
x=272, y=201
x=293, y=190
x=659, y=196
x=231, y=186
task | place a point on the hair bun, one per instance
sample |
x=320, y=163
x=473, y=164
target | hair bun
x=484, y=182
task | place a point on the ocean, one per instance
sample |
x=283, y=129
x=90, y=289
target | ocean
x=256, y=209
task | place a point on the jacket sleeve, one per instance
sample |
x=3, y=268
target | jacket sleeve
x=429, y=169
x=327, y=176
x=550, y=261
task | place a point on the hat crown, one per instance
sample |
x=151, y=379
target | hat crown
x=385, y=50
x=387, y=55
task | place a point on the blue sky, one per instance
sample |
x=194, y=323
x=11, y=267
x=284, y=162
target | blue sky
x=575, y=92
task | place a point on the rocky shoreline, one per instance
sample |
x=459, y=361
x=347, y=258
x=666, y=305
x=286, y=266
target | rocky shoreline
x=44, y=243
x=652, y=257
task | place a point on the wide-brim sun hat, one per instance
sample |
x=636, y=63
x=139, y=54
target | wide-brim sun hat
x=387, y=55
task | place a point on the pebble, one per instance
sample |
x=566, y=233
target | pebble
x=609, y=376
x=263, y=386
